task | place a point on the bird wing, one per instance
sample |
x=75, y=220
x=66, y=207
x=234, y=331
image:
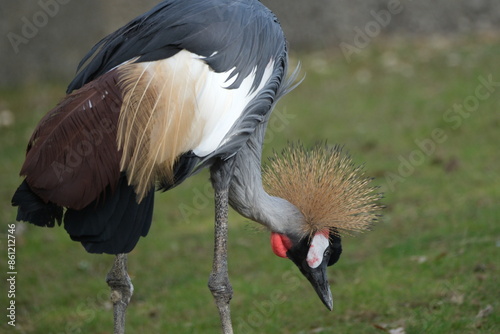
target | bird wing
x=69, y=143
x=240, y=40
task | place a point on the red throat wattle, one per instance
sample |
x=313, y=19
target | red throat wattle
x=280, y=244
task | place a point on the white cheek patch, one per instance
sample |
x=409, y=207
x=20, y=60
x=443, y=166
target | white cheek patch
x=318, y=246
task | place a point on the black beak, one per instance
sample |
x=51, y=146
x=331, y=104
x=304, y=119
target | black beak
x=319, y=281
x=317, y=276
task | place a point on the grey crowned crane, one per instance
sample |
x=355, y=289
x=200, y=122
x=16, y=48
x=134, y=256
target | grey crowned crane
x=187, y=85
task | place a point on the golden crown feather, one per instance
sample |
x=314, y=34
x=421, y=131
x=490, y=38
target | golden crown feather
x=326, y=186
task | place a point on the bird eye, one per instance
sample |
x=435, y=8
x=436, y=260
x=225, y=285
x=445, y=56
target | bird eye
x=327, y=252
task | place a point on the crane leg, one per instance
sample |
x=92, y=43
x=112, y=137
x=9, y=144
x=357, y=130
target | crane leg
x=219, y=283
x=121, y=291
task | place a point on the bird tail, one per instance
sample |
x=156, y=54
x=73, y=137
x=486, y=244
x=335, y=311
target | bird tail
x=33, y=209
x=112, y=225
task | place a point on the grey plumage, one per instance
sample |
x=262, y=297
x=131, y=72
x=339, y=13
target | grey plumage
x=238, y=34
x=248, y=197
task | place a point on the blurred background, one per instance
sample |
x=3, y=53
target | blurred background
x=53, y=35
x=411, y=88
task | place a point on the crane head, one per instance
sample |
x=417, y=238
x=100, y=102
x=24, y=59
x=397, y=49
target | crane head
x=333, y=197
x=312, y=256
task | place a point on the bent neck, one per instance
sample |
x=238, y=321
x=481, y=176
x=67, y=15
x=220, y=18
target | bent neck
x=248, y=197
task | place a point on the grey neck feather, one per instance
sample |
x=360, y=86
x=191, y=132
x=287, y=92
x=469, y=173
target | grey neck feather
x=248, y=197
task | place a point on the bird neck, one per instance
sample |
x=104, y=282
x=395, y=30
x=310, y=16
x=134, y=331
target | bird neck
x=248, y=197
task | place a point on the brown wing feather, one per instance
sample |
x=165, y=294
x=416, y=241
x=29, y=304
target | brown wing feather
x=72, y=156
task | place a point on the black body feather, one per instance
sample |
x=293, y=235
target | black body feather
x=33, y=209
x=114, y=225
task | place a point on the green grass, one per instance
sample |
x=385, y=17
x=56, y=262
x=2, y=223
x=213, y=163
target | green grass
x=429, y=266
